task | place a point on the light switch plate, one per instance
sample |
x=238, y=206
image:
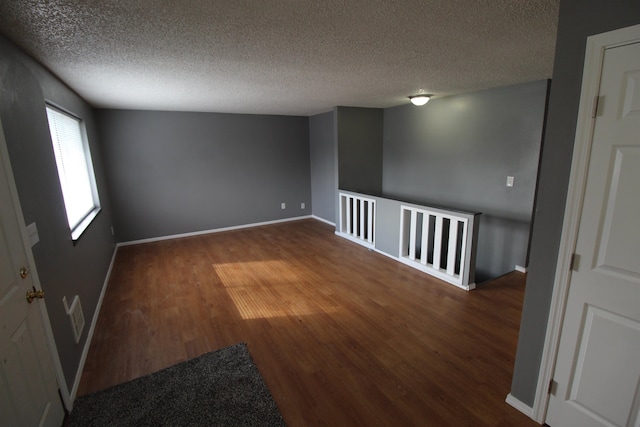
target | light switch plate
x=509, y=181
x=32, y=233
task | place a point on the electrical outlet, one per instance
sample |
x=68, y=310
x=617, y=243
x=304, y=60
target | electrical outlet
x=283, y=205
x=509, y=181
x=302, y=205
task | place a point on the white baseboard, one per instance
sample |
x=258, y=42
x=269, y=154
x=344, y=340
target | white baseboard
x=521, y=269
x=522, y=407
x=323, y=220
x=211, y=231
x=370, y=246
x=395, y=258
x=92, y=328
x=469, y=287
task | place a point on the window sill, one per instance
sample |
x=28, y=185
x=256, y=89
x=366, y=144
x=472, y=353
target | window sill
x=84, y=224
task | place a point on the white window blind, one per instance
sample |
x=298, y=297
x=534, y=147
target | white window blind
x=74, y=170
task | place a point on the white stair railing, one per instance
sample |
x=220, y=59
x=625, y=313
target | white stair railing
x=357, y=219
x=439, y=243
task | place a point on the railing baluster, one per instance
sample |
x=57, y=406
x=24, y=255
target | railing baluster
x=457, y=242
x=412, y=235
x=343, y=213
x=425, y=238
x=361, y=235
x=349, y=219
x=403, y=250
x=452, y=247
x=370, y=222
x=463, y=249
x=357, y=219
x=437, y=242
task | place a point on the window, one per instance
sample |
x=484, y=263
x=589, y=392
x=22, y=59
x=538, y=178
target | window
x=74, y=170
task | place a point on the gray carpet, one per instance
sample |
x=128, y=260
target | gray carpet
x=221, y=388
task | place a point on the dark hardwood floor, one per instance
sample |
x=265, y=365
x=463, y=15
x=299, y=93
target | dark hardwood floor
x=342, y=335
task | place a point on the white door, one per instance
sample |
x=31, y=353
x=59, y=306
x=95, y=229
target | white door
x=597, y=371
x=28, y=388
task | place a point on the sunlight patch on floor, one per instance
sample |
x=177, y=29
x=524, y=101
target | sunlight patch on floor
x=254, y=273
x=266, y=289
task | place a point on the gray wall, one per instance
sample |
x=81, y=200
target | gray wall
x=357, y=136
x=181, y=172
x=63, y=269
x=359, y=140
x=457, y=152
x=322, y=146
x=578, y=19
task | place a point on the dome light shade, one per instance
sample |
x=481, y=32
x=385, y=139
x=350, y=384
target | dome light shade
x=419, y=99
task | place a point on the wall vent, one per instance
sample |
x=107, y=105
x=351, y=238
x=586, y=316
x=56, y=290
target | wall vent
x=75, y=316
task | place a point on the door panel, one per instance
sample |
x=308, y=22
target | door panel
x=607, y=340
x=631, y=97
x=619, y=245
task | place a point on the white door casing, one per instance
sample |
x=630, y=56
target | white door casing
x=597, y=361
x=28, y=387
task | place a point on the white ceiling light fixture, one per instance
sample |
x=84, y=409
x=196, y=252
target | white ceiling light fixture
x=420, y=99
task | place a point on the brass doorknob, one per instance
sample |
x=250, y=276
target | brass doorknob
x=23, y=272
x=31, y=295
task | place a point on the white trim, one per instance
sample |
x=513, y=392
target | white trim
x=470, y=287
x=348, y=205
x=77, y=231
x=522, y=407
x=355, y=240
x=452, y=280
x=521, y=269
x=385, y=254
x=407, y=255
x=57, y=364
x=211, y=231
x=596, y=46
x=92, y=328
x=323, y=220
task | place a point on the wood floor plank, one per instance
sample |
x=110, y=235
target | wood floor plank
x=341, y=334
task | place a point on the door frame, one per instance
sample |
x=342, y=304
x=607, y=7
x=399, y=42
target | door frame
x=594, y=58
x=51, y=344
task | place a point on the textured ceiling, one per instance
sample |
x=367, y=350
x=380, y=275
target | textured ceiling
x=292, y=57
